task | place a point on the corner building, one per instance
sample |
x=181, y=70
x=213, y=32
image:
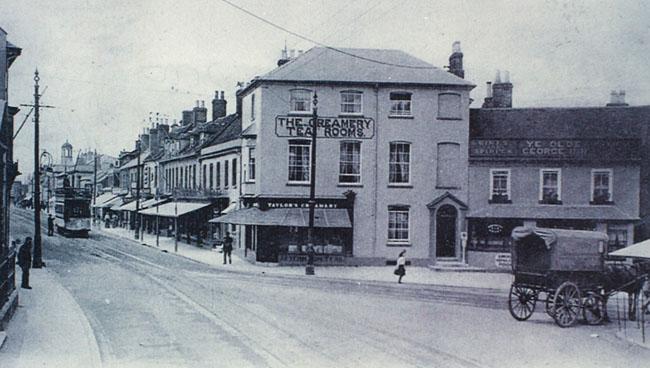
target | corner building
x=391, y=158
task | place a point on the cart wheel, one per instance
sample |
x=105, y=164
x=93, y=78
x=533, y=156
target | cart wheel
x=522, y=302
x=549, y=304
x=592, y=308
x=566, y=304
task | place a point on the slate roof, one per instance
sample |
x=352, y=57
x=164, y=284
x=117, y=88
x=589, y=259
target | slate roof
x=574, y=122
x=552, y=212
x=231, y=129
x=322, y=65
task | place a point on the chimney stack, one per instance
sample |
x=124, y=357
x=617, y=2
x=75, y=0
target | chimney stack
x=218, y=106
x=456, y=61
x=200, y=113
x=499, y=94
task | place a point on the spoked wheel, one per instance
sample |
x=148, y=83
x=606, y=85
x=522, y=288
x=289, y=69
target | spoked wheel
x=567, y=304
x=593, y=308
x=548, y=307
x=522, y=302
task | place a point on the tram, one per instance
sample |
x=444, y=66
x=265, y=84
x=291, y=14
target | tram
x=72, y=211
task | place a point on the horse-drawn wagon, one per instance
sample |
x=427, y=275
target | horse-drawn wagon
x=566, y=270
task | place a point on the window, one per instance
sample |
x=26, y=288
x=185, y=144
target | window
x=234, y=172
x=601, y=186
x=499, y=186
x=351, y=102
x=399, y=162
x=218, y=178
x=225, y=174
x=299, y=161
x=400, y=103
x=550, y=184
x=300, y=100
x=617, y=234
x=251, y=164
x=204, y=176
x=448, y=168
x=449, y=106
x=193, y=176
x=252, y=107
x=398, y=224
x=350, y=162
x=211, y=181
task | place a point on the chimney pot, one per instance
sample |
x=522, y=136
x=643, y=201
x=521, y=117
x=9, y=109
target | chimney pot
x=222, y=95
x=216, y=94
x=455, y=47
x=497, y=78
x=506, y=76
x=489, y=89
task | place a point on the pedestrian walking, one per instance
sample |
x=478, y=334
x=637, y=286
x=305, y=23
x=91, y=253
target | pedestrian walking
x=50, y=225
x=401, y=266
x=227, y=248
x=25, y=261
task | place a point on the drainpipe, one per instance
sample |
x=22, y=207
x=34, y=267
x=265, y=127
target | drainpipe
x=374, y=236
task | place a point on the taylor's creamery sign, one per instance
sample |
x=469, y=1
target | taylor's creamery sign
x=328, y=127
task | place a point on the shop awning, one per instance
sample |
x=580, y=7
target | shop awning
x=638, y=250
x=130, y=206
x=117, y=201
x=552, y=212
x=103, y=198
x=152, y=202
x=174, y=209
x=231, y=207
x=298, y=217
x=144, y=204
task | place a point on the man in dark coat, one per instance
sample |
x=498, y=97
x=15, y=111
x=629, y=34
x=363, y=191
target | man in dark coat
x=25, y=261
x=50, y=225
x=227, y=248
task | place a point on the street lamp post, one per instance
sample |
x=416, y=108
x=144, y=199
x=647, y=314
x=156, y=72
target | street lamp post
x=137, y=192
x=46, y=167
x=309, y=269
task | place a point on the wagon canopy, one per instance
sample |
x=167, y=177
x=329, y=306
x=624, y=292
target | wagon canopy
x=547, y=235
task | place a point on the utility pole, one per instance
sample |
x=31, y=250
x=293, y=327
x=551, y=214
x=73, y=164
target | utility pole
x=309, y=269
x=137, y=192
x=95, y=187
x=36, y=195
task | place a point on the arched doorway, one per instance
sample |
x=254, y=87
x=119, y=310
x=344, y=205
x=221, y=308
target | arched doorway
x=446, y=231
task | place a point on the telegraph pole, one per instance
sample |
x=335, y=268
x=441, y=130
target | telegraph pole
x=309, y=269
x=95, y=187
x=38, y=250
x=137, y=193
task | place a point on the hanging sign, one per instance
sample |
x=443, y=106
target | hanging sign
x=328, y=127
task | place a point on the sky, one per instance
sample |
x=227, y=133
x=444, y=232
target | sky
x=105, y=65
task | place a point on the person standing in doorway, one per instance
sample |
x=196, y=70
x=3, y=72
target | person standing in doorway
x=227, y=248
x=401, y=266
x=25, y=261
x=50, y=225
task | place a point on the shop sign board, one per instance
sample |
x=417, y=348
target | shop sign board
x=503, y=260
x=555, y=149
x=328, y=127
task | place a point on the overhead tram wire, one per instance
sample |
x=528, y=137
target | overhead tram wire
x=322, y=44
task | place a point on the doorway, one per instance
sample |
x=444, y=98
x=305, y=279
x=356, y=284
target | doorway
x=446, y=219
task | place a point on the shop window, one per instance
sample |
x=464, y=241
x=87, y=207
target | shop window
x=400, y=104
x=399, y=163
x=351, y=102
x=448, y=166
x=601, y=186
x=300, y=100
x=251, y=164
x=299, y=161
x=550, y=186
x=449, y=106
x=617, y=234
x=500, y=186
x=350, y=162
x=398, y=224
x=491, y=234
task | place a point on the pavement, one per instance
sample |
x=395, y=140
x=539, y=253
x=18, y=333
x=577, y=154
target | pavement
x=49, y=329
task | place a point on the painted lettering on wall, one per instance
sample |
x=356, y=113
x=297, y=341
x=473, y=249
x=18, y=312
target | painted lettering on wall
x=555, y=149
x=503, y=260
x=328, y=127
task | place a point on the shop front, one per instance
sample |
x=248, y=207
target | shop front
x=275, y=230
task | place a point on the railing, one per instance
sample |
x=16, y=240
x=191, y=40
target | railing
x=8, y=276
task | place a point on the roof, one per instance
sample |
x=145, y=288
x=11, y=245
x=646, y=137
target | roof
x=231, y=130
x=299, y=217
x=552, y=212
x=352, y=65
x=250, y=131
x=550, y=122
x=174, y=209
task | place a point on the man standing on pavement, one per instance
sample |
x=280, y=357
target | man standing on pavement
x=50, y=225
x=227, y=248
x=25, y=261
